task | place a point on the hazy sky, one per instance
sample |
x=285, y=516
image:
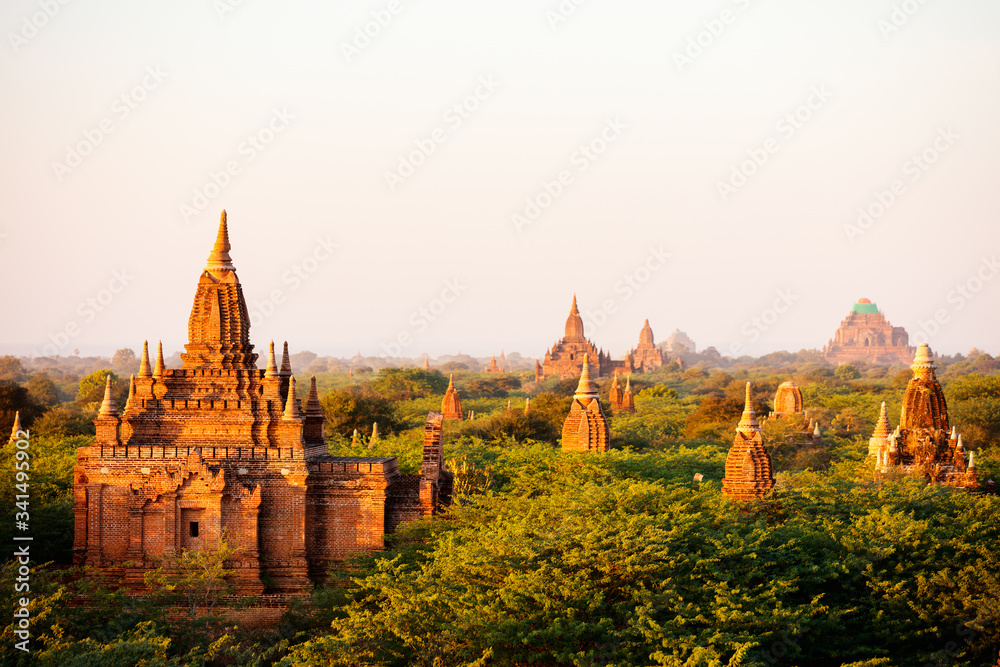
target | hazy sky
x=700, y=164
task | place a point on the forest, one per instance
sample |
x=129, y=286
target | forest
x=630, y=557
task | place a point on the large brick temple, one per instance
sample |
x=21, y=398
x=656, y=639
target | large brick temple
x=865, y=335
x=924, y=442
x=219, y=447
x=565, y=358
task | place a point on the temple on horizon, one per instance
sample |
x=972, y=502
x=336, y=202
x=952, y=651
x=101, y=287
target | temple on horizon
x=565, y=357
x=865, y=335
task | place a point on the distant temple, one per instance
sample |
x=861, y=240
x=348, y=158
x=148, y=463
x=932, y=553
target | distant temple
x=865, y=335
x=645, y=358
x=451, y=407
x=615, y=395
x=678, y=340
x=586, y=428
x=788, y=399
x=565, y=358
x=749, y=474
x=493, y=367
x=220, y=448
x=924, y=442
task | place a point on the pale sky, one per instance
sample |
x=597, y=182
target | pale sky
x=118, y=115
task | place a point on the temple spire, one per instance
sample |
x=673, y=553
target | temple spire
x=291, y=406
x=144, y=371
x=527, y=404
x=131, y=391
x=748, y=422
x=312, y=401
x=286, y=364
x=219, y=259
x=272, y=367
x=17, y=426
x=158, y=369
x=587, y=387
x=108, y=407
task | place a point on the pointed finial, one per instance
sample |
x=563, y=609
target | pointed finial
x=354, y=438
x=451, y=381
x=374, y=431
x=17, y=426
x=527, y=404
x=508, y=405
x=286, y=364
x=131, y=391
x=108, y=407
x=959, y=445
x=291, y=407
x=272, y=368
x=587, y=387
x=972, y=461
x=219, y=259
x=816, y=432
x=144, y=371
x=312, y=401
x=628, y=383
x=159, y=368
x=882, y=428
x=748, y=422
x=574, y=310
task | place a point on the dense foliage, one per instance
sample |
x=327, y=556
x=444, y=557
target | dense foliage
x=550, y=558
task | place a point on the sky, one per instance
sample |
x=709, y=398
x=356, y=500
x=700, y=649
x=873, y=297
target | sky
x=433, y=176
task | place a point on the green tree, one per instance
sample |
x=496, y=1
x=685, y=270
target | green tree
x=357, y=408
x=400, y=384
x=11, y=369
x=196, y=577
x=847, y=372
x=64, y=421
x=43, y=390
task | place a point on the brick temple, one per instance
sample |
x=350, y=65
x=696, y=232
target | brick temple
x=924, y=443
x=865, y=335
x=565, y=358
x=749, y=473
x=586, y=428
x=220, y=447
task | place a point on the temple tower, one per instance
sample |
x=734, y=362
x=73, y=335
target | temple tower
x=451, y=406
x=615, y=395
x=749, y=474
x=788, y=399
x=628, y=401
x=586, y=427
x=219, y=326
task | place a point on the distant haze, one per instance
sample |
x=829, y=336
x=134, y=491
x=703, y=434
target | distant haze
x=743, y=171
